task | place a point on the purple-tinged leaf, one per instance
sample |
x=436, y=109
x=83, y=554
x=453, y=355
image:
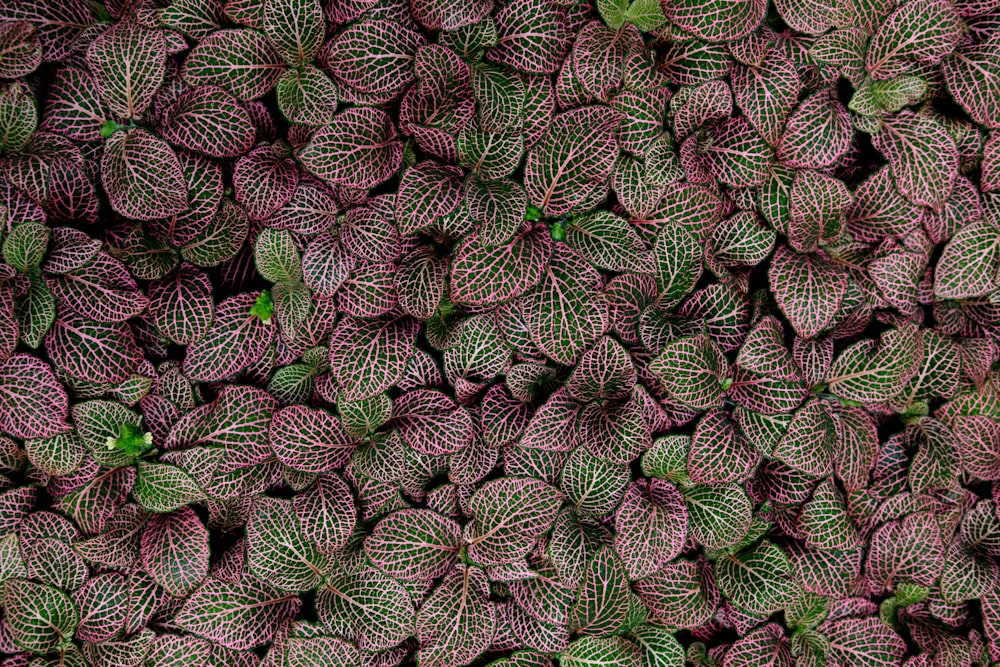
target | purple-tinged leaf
x=572, y=161
x=374, y=57
x=973, y=77
x=310, y=440
x=103, y=602
x=427, y=191
x=239, y=615
x=739, y=156
x=765, y=645
x=510, y=513
x=870, y=374
x=358, y=149
x=18, y=117
x=264, y=180
x=295, y=28
x=40, y=618
x=979, y=442
x=908, y=550
x=863, y=641
x=142, y=176
x=609, y=242
x=922, y=155
x=808, y=444
x=241, y=61
x=326, y=512
x=913, y=34
x=450, y=14
x=553, y=426
x=32, y=402
x=368, y=357
x=181, y=305
x=605, y=371
x=816, y=206
x=532, y=36
x=414, y=544
x=651, y=527
x=20, y=49
x=809, y=291
x=237, y=338
x=129, y=63
x=970, y=261
x=757, y=580
x=367, y=607
x=681, y=594
x=719, y=451
x=92, y=351
x=175, y=551
x=208, y=120
x=567, y=313
x=325, y=651
x=457, y=622
x=431, y=423
x=857, y=448
x=603, y=599
x=718, y=20
x=482, y=275
x=102, y=291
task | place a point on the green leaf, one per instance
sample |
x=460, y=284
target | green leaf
x=603, y=598
x=295, y=28
x=277, y=256
x=161, y=487
x=758, y=580
x=870, y=374
x=719, y=515
x=18, y=117
x=604, y=651
x=25, y=246
x=609, y=242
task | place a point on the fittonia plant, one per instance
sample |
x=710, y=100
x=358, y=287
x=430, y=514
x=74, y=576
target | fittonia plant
x=523, y=333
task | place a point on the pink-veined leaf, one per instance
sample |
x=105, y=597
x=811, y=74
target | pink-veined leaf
x=908, y=550
x=572, y=161
x=510, y=513
x=427, y=191
x=367, y=607
x=129, y=63
x=922, y=33
x=532, y=36
x=863, y=641
x=817, y=134
x=603, y=598
x=567, y=313
x=241, y=61
x=239, y=615
x=692, y=371
x=307, y=96
x=20, y=49
x=295, y=28
x=870, y=374
x=181, y=304
x=237, y=338
x=922, y=155
x=39, y=617
x=758, y=580
x=209, y=120
x=32, y=402
x=414, y=544
x=374, y=56
x=651, y=527
x=358, y=149
x=716, y=20
x=457, y=622
x=142, y=176
x=809, y=291
x=973, y=77
x=277, y=550
x=310, y=440
x=92, y=351
x=481, y=274
x=368, y=357
x=175, y=550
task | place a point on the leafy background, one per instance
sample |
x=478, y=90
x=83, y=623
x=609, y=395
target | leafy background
x=530, y=333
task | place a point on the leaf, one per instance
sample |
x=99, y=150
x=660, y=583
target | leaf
x=922, y=34
x=374, y=56
x=240, y=615
x=368, y=357
x=608, y=242
x=757, y=580
x=175, y=552
x=307, y=96
x=295, y=28
x=129, y=63
x=572, y=161
x=161, y=487
x=909, y=550
x=651, y=525
x=32, y=402
x=532, y=36
x=40, y=618
x=481, y=274
x=142, y=176
x=609, y=651
x=868, y=374
x=368, y=608
x=457, y=622
x=718, y=20
x=237, y=338
x=181, y=304
x=691, y=370
x=102, y=291
x=678, y=258
x=277, y=551
x=817, y=134
x=767, y=94
x=240, y=61
x=414, y=544
x=57, y=455
x=21, y=49
x=738, y=156
x=309, y=440
x=18, y=117
x=566, y=314
x=490, y=155
x=208, y=120
x=426, y=192
x=808, y=290
x=824, y=521
x=970, y=261
x=922, y=156
x=358, y=149
x=763, y=645
x=264, y=180
x=605, y=371
x=863, y=641
x=603, y=599
x=73, y=108
x=719, y=515
x=326, y=512
x=973, y=77
x=103, y=602
x=510, y=513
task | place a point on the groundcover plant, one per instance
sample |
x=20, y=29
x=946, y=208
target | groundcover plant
x=361, y=333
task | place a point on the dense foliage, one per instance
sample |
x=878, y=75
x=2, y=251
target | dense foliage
x=361, y=333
